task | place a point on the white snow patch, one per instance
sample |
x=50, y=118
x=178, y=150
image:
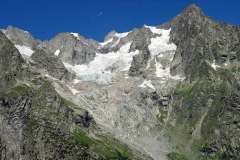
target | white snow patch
x=50, y=77
x=76, y=35
x=148, y=65
x=57, y=52
x=4, y=31
x=164, y=73
x=76, y=81
x=116, y=43
x=24, y=50
x=100, y=69
x=106, y=42
x=178, y=77
x=153, y=29
x=73, y=90
x=121, y=35
x=147, y=83
x=215, y=66
x=161, y=43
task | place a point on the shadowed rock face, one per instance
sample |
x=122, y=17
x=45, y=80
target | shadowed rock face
x=139, y=63
x=51, y=64
x=35, y=124
x=140, y=41
x=200, y=39
x=11, y=62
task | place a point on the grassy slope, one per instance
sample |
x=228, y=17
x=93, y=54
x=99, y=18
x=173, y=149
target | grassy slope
x=215, y=97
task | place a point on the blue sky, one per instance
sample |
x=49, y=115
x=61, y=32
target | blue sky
x=95, y=18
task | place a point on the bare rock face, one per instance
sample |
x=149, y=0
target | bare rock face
x=35, y=124
x=204, y=110
x=51, y=64
x=73, y=48
x=11, y=62
x=141, y=38
x=200, y=39
x=140, y=41
x=21, y=37
x=139, y=63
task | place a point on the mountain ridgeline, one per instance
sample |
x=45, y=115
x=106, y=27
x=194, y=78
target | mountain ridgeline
x=169, y=92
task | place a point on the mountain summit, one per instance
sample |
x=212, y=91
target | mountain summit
x=167, y=92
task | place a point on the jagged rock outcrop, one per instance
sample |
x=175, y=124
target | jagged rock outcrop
x=204, y=115
x=21, y=37
x=73, y=48
x=141, y=38
x=11, y=62
x=139, y=63
x=200, y=40
x=51, y=64
x=141, y=41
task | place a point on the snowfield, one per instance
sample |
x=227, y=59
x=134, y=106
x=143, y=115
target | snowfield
x=101, y=68
x=161, y=43
x=24, y=50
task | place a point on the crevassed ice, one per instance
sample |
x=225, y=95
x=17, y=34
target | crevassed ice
x=100, y=69
x=24, y=50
